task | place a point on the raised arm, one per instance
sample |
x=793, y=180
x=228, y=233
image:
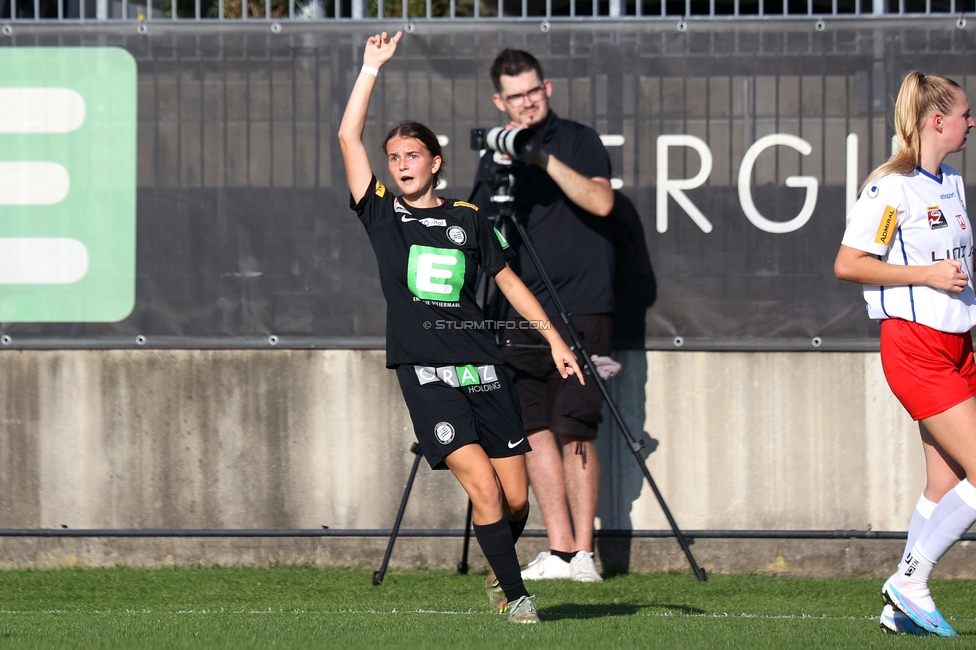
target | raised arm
x=379, y=50
x=529, y=308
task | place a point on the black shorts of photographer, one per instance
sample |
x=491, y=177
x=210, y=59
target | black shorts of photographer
x=567, y=409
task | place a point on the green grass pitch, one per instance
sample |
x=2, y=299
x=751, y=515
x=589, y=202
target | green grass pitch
x=305, y=607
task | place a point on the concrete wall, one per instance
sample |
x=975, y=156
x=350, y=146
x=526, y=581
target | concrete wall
x=304, y=439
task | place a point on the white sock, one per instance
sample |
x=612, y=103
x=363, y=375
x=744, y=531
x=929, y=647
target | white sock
x=923, y=510
x=952, y=517
x=912, y=579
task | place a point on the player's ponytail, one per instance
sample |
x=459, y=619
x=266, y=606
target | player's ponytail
x=919, y=95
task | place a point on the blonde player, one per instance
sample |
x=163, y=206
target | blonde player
x=909, y=242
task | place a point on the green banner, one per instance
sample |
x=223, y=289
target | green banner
x=67, y=184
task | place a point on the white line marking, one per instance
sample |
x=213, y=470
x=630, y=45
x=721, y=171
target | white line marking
x=33, y=183
x=470, y=612
x=42, y=260
x=40, y=110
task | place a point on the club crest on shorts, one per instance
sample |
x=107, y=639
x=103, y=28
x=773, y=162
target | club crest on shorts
x=936, y=218
x=457, y=235
x=444, y=431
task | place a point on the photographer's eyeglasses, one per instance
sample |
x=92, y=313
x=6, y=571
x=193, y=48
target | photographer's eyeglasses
x=534, y=95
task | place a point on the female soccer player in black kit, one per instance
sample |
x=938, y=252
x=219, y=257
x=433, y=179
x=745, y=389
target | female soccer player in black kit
x=464, y=410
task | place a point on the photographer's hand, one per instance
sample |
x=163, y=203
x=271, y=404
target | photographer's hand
x=592, y=194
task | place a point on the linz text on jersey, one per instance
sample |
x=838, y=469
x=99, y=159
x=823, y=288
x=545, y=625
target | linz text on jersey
x=957, y=253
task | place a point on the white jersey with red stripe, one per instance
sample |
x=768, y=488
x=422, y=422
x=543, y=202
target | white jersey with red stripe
x=916, y=220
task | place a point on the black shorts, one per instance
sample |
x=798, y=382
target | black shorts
x=548, y=401
x=454, y=406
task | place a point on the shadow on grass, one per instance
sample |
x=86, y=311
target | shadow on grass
x=571, y=610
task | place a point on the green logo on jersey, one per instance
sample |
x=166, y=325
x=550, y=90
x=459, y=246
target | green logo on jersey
x=501, y=240
x=435, y=273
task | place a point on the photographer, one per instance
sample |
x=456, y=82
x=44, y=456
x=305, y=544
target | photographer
x=428, y=250
x=562, y=197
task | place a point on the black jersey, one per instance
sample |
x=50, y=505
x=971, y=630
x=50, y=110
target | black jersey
x=428, y=261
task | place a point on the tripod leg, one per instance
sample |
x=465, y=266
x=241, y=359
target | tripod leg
x=635, y=446
x=378, y=575
x=462, y=567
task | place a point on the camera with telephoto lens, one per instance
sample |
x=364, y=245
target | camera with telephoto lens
x=520, y=144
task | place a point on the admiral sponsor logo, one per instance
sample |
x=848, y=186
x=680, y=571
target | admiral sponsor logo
x=457, y=235
x=444, y=431
x=936, y=218
x=873, y=192
x=465, y=204
x=380, y=189
x=962, y=221
x=398, y=207
x=889, y=221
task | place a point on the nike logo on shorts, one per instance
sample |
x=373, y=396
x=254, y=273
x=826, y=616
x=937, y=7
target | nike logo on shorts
x=513, y=445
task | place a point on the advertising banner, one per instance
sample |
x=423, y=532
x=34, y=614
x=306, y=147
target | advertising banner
x=183, y=187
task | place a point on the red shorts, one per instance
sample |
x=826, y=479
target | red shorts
x=928, y=371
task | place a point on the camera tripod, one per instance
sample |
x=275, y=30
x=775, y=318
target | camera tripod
x=502, y=181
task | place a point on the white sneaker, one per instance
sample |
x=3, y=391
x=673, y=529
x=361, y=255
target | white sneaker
x=582, y=569
x=547, y=566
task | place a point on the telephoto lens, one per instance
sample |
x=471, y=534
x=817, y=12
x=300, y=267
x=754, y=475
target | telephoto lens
x=521, y=144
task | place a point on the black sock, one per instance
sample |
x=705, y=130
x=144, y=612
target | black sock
x=563, y=555
x=499, y=548
x=518, y=525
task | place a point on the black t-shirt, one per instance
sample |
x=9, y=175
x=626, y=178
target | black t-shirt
x=428, y=260
x=575, y=247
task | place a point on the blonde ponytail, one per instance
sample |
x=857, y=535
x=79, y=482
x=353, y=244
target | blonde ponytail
x=918, y=97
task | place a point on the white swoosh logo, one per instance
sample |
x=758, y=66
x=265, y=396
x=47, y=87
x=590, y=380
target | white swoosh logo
x=513, y=445
x=405, y=219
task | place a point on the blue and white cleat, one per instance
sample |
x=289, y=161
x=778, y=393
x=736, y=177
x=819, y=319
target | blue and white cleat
x=928, y=621
x=894, y=622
